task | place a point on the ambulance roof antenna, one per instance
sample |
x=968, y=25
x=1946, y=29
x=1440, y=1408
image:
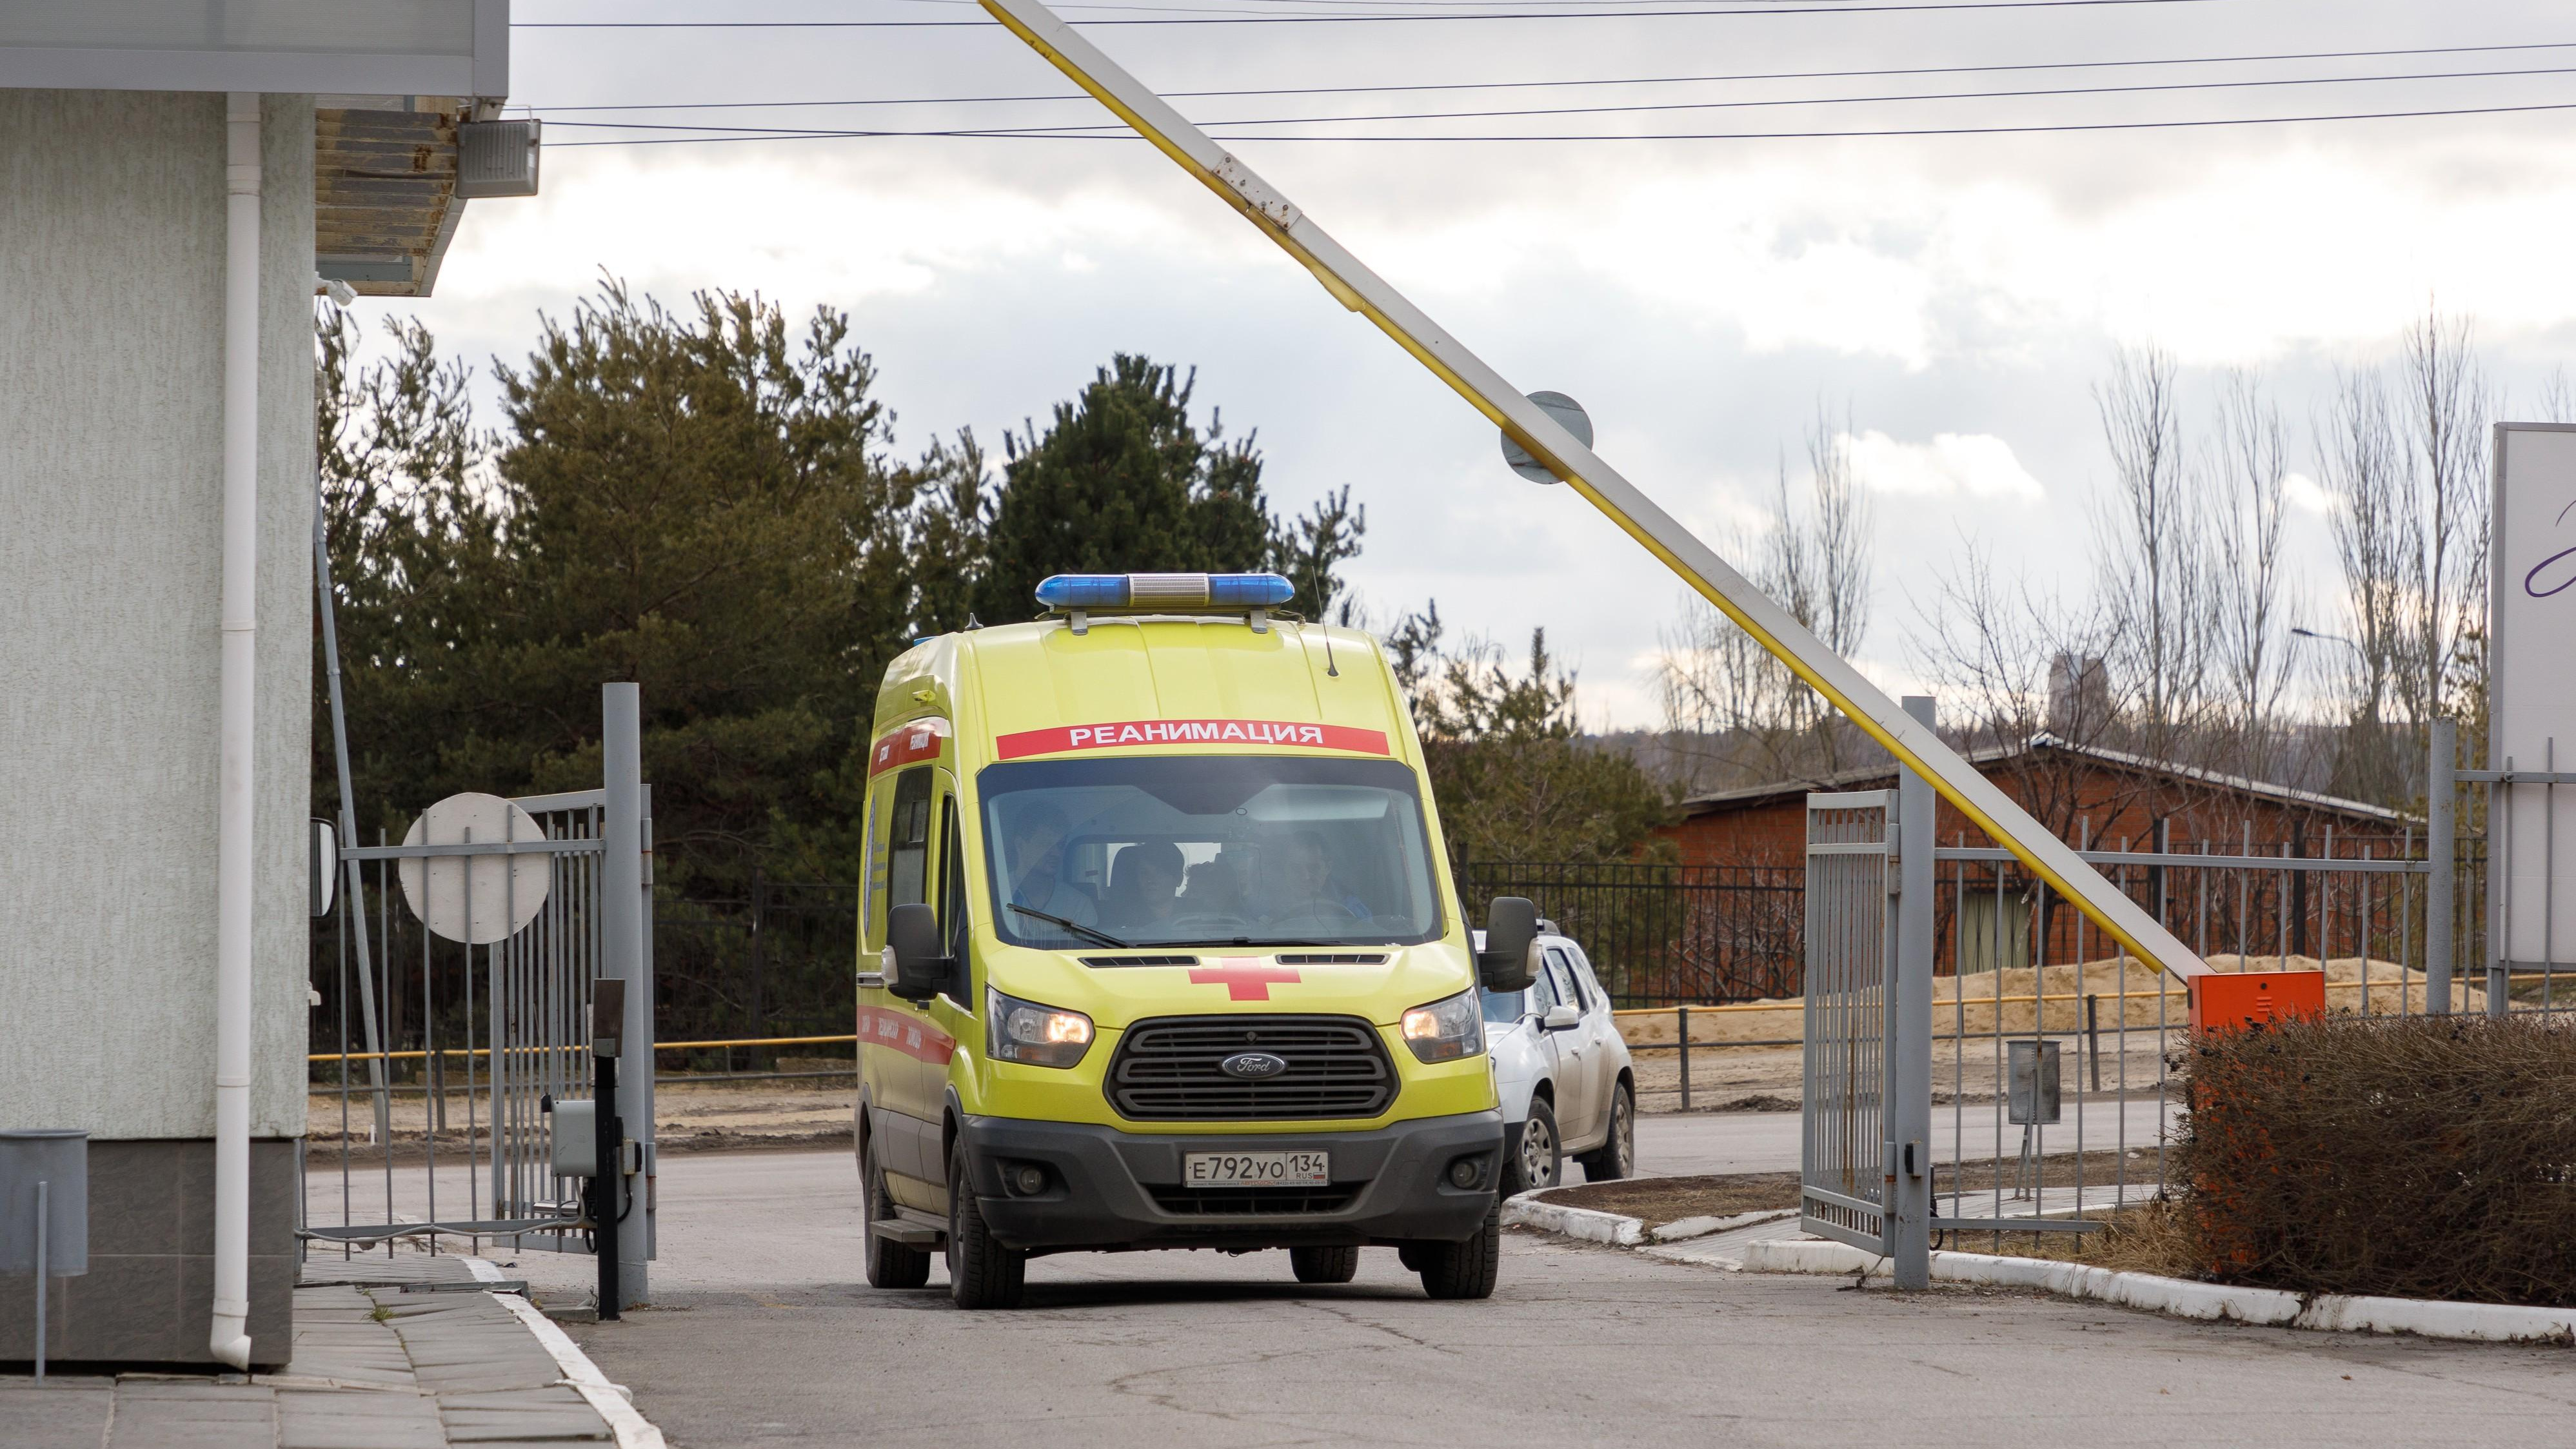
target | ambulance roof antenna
x=1550, y=445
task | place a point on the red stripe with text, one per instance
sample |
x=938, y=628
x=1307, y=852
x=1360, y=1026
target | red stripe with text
x=1067, y=739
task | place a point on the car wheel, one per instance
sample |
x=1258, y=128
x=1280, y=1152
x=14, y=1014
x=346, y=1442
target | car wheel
x=1540, y=1161
x=981, y=1272
x=1616, y=1157
x=1324, y=1265
x=890, y=1264
x=1468, y=1269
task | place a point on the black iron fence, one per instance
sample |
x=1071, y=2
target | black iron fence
x=1665, y=933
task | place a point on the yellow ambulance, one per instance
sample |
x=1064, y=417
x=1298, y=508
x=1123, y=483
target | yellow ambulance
x=1159, y=950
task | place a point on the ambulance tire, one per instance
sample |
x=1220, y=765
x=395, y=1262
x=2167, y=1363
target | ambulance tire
x=890, y=1264
x=1324, y=1265
x=1464, y=1270
x=981, y=1272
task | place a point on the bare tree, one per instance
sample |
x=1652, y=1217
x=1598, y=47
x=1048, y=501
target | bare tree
x=2557, y=397
x=2409, y=466
x=1750, y=718
x=2250, y=465
x=2448, y=405
x=2152, y=547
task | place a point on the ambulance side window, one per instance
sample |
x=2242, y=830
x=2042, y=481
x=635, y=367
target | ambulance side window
x=908, y=841
x=952, y=887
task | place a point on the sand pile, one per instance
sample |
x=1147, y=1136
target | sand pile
x=1971, y=1002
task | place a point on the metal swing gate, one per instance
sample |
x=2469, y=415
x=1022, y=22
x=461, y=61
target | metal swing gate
x=1864, y=1159
x=504, y=927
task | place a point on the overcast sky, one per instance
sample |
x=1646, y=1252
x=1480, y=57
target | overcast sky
x=1958, y=295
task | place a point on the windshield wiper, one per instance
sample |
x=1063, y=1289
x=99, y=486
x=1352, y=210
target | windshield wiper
x=1077, y=927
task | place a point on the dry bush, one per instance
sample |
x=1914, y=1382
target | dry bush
x=2425, y=1158
x=2154, y=1236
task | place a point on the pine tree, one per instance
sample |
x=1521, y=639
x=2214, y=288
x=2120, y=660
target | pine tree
x=1123, y=481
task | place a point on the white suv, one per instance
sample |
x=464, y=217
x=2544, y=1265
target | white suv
x=1562, y=1069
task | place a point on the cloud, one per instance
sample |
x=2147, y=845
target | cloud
x=1977, y=464
x=2306, y=492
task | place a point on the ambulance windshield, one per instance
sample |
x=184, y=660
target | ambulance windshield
x=1247, y=850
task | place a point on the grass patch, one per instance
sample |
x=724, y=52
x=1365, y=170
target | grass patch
x=1659, y=1200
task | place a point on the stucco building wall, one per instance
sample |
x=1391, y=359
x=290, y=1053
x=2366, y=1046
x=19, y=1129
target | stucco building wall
x=111, y=500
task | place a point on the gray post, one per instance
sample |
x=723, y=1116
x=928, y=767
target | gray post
x=1909, y=1066
x=1683, y=1012
x=43, y=1270
x=356, y=886
x=2439, y=880
x=622, y=885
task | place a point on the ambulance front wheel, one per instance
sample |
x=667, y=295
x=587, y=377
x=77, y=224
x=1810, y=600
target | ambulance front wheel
x=890, y=1264
x=1461, y=1270
x=981, y=1272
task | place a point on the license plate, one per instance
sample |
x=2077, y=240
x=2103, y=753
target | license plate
x=1256, y=1169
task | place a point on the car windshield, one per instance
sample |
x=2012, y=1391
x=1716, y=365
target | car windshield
x=1208, y=851
x=1502, y=1008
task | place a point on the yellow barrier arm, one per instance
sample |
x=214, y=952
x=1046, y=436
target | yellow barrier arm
x=1364, y=292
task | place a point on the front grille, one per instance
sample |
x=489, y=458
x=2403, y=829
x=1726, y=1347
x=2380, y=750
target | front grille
x=1333, y=958
x=1166, y=1069
x=1244, y=1201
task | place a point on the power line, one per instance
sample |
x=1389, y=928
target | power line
x=1548, y=84
x=2028, y=130
x=1934, y=5
x=1666, y=105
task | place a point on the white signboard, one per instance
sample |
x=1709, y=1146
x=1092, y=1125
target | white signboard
x=2532, y=694
x=474, y=898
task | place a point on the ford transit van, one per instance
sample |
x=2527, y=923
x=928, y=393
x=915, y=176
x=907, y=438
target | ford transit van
x=1159, y=949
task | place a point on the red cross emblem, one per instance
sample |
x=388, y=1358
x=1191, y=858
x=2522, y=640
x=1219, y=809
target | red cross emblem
x=1243, y=977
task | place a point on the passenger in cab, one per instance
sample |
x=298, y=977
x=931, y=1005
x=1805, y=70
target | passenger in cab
x=1145, y=886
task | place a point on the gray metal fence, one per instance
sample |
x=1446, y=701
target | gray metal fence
x=2032, y=1086
x=492, y=935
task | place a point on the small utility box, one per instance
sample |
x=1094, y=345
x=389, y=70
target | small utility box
x=2226, y=1001
x=44, y=1211
x=2033, y=1096
x=576, y=1138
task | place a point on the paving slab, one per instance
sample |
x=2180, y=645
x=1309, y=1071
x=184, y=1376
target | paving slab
x=58, y=1411
x=372, y=1367
x=329, y=1419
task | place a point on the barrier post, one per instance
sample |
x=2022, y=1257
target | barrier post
x=2440, y=883
x=1909, y=1066
x=1683, y=1011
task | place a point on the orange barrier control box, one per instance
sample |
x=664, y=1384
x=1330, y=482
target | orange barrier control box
x=2224, y=1000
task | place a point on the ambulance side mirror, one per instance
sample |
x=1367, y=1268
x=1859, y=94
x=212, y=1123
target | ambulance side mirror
x=1511, y=928
x=916, y=968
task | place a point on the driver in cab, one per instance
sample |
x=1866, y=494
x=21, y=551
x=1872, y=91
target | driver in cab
x=1038, y=889
x=1306, y=888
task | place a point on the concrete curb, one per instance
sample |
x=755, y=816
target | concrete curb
x=1684, y=1230
x=1529, y=1210
x=2208, y=1302
x=611, y=1401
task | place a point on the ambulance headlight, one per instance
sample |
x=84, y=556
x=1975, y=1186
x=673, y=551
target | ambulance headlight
x=1446, y=1030
x=1033, y=1035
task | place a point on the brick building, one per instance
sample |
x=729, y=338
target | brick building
x=2099, y=799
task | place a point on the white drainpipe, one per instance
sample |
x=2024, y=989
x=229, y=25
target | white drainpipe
x=228, y=1337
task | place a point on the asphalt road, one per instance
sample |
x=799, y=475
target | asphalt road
x=762, y=1332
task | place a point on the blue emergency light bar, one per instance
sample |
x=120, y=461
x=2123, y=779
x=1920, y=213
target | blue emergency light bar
x=1165, y=591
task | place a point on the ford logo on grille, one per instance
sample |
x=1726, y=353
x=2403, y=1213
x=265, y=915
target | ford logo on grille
x=1252, y=1066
